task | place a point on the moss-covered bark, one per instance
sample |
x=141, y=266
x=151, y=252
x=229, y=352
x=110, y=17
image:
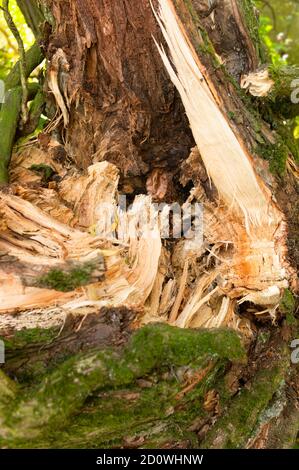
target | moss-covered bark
x=37, y=414
x=151, y=393
x=239, y=421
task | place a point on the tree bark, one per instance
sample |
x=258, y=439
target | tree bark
x=122, y=122
x=129, y=114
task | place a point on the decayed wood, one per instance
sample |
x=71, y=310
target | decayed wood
x=132, y=115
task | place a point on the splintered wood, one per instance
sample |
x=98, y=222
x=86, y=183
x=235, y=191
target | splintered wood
x=255, y=269
x=34, y=240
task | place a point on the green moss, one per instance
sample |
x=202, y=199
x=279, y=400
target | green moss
x=217, y=343
x=262, y=338
x=231, y=115
x=237, y=424
x=8, y=390
x=287, y=307
x=32, y=336
x=45, y=170
x=277, y=155
x=67, y=281
x=113, y=415
x=119, y=416
x=287, y=304
x=47, y=407
x=208, y=48
x=252, y=23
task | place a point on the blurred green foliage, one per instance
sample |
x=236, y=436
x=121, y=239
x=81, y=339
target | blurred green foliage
x=279, y=28
x=8, y=46
x=279, y=21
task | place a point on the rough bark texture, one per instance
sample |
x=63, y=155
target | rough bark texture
x=116, y=103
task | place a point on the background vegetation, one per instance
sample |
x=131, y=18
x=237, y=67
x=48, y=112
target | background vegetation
x=8, y=45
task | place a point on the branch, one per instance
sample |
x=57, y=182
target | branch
x=32, y=14
x=34, y=57
x=9, y=119
x=10, y=23
x=272, y=10
x=36, y=108
x=14, y=100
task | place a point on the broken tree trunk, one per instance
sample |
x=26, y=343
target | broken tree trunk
x=150, y=103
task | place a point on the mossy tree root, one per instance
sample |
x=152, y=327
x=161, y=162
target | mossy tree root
x=48, y=407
